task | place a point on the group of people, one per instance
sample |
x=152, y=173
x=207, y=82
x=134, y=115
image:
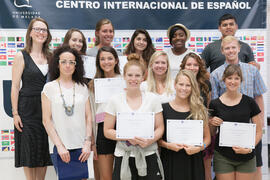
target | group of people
x=56, y=100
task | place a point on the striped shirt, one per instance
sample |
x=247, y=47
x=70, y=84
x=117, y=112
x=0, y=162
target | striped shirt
x=252, y=84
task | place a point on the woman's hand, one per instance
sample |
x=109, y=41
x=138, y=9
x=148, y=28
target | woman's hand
x=174, y=147
x=192, y=149
x=63, y=153
x=18, y=122
x=86, y=150
x=132, y=142
x=215, y=121
x=142, y=142
x=240, y=150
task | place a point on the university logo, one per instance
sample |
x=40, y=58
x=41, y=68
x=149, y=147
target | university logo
x=22, y=3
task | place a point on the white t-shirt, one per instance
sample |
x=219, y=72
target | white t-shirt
x=118, y=103
x=163, y=98
x=70, y=129
x=175, y=61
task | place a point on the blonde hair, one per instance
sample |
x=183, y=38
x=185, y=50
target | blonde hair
x=197, y=110
x=151, y=82
x=99, y=24
x=229, y=39
x=136, y=60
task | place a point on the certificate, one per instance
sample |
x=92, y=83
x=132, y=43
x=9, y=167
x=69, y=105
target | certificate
x=89, y=64
x=122, y=63
x=188, y=132
x=105, y=88
x=237, y=134
x=134, y=124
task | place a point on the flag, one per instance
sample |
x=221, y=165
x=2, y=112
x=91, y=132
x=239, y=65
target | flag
x=159, y=39
x=192, y=38
x=10, y=63
x=199, y=50
x=117, y=40
x=117, y=45
x=260, y=53
x=2, y=38
x=5, y=143
x=5, y=149
x=191, y=45
x=125, y=39
x=3, y=57
x=199, y=44
x=11, y=45
x=3, y=63
x=199, y=38
x=20, y=45
x=11, y=51
x=5, y=131
x=19, y=39
x=11, y=39
x=261, y=59
x=166, y=39
x=5, y=137
x=3, y=45
x=11, y=131
x=3, y=51
x=253, y=37
x=12, y=142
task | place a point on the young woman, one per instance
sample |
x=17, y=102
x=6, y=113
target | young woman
x=107, y=65
x=31, y=66
x=141, y=43
x=104, y=36
x=65, y=106
x=182, y=161
x=74, y=38
x=159, y=77
x=128, y=151
x=194, y=63
x=178, y=35
x=234, y=163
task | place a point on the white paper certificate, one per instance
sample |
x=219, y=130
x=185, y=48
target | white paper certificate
x=89, y=64
x=188, y=132
x=129, y=125
x=105, y=88
x=237, y=134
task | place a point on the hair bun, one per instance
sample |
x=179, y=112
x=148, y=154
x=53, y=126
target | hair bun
x=134, y=57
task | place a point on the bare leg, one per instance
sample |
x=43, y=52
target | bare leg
x=96, y=170
x=207, y=167
x=40, y=173
x=29, y=173
x=105, y=166
x=226, y=176
x=244, y=176
x=258, y=174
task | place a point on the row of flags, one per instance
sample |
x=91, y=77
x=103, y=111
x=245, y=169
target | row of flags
x=7, y=141
x=10, y=45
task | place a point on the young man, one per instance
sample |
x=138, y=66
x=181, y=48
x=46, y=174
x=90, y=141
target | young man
x=252, y=84
x=212, y=55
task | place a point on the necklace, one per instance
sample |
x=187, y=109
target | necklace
x=69, y=110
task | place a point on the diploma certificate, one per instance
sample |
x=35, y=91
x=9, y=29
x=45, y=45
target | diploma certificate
x=189, y=132
x=105, y=88
x=237, y=134
x=89, y=64
x=130, y=125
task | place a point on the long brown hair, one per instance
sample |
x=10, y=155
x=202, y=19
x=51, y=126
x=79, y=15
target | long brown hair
x=68, y=37
x=202, y=75
x=29, y=44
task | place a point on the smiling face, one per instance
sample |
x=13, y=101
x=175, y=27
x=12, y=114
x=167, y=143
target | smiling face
x=232, y=82
x=67, y=63
x=179, y=39
x=133, y=77
x=76, y=41
x=228, y=27
x=105, y=34
x=39, y=32
x=107, y=62
x=182, y=87
x=160, y=65
x=192, y=65
x=230, y=50
x=140, y=43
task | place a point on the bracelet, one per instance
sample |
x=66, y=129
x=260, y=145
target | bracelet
x=15, y=114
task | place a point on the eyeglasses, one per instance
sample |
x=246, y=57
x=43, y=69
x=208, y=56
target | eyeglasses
x=70, y=62
x=40, y=30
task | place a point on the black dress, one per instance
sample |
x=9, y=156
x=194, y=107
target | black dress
x=31, y=145
x=179, y=165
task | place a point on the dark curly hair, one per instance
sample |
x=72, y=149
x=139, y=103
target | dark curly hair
x=54, y=72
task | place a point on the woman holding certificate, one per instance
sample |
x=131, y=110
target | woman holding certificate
x=184, y=161
x=66, y=113
x=107, y=66
x=233, y=162
x=159, y=79
x=136, y=152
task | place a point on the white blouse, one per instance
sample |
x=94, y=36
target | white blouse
x=70, y=129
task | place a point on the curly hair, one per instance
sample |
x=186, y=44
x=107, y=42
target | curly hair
x=69, y=35
x=149, y=50
x=197, y=109
x=54, y=71
x=202, y=76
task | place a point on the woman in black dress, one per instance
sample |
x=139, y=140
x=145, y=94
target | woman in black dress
x=31, y=66
x=182, y=161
